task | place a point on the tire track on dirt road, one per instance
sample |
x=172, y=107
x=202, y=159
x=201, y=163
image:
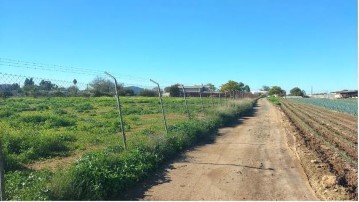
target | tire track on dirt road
x=250, y=161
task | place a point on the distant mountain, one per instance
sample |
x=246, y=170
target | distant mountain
x=136, y=90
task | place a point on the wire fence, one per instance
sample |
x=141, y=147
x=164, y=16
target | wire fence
x=197, y=100
x=44, y=105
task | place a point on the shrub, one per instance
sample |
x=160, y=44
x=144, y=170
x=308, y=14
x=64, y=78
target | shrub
x=148, y=93
x=25, y=146
x=102, y=175
x=6, y=94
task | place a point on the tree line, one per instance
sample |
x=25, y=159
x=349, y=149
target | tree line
x=100, y=87
x=278, y=91
x=104, y=87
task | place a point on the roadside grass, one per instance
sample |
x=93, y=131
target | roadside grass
x=36, y=129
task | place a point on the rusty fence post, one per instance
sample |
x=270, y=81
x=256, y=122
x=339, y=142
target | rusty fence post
x=119, y=111
x=161, y=102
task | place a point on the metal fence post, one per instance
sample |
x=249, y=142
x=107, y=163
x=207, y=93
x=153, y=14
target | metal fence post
x=219, y=97
x=185, y=101
x=212, y=98
x=2, y=175
x=119, y=111
x=163, y=111
x=200, y=95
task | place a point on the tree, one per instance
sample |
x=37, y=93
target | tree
x=72, y=90
x=296, y=92
x=12, y=87
x=211, y=86
x=29, y=82
x=75, y=88
x=46, y=85
x=148, y=93
x=265, y=88
x=126, y=92
x=241, y=86
x=104, y=87
x=246, y=89
x=231, y=86
x=167, y=89
x=6, y=94
x=276, y=90
x=29, y=87
x=174, y=90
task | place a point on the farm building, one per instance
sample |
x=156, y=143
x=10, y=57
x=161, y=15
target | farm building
x=194, y=91
x=195, y=88
x=346, y=94
x=292, y=96
x=205, y=91
x=337, y=94
x=323, y=95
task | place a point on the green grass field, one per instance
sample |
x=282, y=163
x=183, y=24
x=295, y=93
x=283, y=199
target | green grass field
x=38, y=133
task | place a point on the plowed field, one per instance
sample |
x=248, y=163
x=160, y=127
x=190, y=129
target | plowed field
x=332, y=135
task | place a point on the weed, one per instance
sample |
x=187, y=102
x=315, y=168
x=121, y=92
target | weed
x=84, y=107
x=27, y=185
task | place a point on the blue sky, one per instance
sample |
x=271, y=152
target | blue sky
x=288, y=43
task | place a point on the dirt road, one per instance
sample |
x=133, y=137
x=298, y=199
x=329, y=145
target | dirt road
x=250, y=161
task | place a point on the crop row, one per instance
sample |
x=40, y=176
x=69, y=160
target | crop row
x=340, y=120
x=333, y=124
x=349, y=106
x=333, y=147
x=336, y=139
